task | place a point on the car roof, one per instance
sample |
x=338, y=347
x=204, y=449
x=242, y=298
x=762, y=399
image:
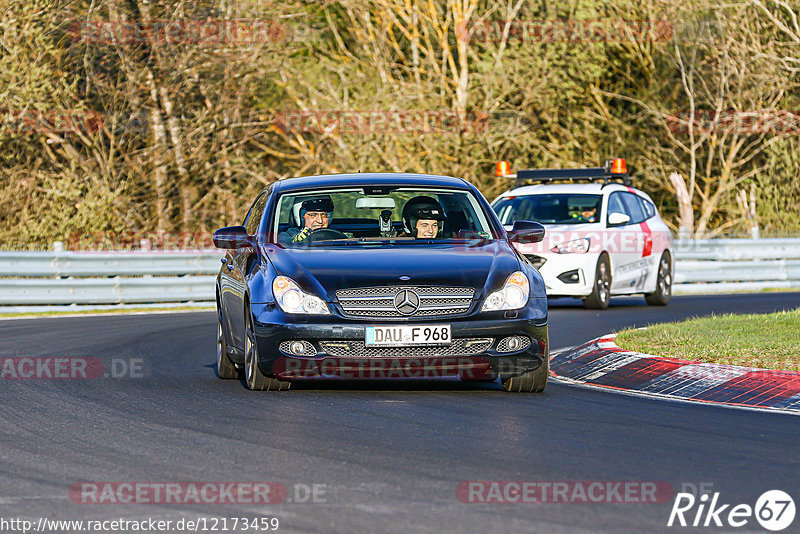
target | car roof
x=370, y=178
x=585, y=188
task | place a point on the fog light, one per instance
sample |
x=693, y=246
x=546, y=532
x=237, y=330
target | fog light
x=298, y=348
x=570, y=277
x=513, y=344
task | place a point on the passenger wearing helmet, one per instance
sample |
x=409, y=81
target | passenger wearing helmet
x=309, y=214
x=423, y=218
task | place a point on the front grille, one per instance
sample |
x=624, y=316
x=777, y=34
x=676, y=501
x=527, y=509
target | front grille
x=379, y=301
x=358, y=349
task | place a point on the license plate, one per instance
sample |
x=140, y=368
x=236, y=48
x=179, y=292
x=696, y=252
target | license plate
x=407, y=335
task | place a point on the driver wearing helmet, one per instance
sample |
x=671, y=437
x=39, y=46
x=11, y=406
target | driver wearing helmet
x=309, y=214
x=423, y=218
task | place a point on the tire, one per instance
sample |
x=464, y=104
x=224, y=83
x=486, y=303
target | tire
x=532, y=382
x=254, y=378
x=225, y=367
x=601, y=291
x=663, y=293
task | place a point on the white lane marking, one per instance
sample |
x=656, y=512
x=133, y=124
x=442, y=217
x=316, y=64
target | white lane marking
x=692, y=379
x=606, y=364
x=792, y=402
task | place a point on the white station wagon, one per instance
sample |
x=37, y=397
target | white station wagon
x=603, y=237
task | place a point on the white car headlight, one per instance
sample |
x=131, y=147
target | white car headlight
x=513, y=296
x=576, y=246
x=292, y=299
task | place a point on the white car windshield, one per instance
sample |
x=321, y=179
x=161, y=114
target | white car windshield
x=402, y=215
x=550, y=208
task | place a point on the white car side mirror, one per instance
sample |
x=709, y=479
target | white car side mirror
x=618, y=219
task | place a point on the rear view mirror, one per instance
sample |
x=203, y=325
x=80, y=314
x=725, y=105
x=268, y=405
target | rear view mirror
x=232, y=237
x=618, y=219
x=386, y=203
x=526, y=232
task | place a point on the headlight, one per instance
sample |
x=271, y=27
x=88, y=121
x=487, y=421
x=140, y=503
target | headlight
x=576, y=246
x=292, y=299
x=513, y=296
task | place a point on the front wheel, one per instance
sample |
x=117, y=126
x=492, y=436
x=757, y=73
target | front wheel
x=601, y=291
x=254, y=378
x=663, y=293
x=532, y=382
x=225, y=367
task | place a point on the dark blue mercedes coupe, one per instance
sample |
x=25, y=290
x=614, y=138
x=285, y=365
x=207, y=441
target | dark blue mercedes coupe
x=379, y=275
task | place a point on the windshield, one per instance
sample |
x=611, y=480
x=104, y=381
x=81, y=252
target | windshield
x=395, y=216
x=550, y=208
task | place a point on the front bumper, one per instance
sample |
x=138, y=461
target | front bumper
x=351, y=360
x=558, y=265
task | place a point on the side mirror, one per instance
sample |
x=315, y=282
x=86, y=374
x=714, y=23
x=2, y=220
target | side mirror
x=618, y=219
x=232, y=237
x=526, y=232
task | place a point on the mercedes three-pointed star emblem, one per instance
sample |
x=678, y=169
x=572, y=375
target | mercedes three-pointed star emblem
x=406, y=302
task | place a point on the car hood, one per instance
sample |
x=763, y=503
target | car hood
x=326, y=270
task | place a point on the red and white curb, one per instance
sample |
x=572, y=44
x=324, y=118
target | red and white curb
x=604, y=364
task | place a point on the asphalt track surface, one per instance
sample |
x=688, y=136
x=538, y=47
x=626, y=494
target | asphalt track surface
x=390, y=455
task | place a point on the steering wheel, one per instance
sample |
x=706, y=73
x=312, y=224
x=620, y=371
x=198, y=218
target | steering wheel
x=324, y=234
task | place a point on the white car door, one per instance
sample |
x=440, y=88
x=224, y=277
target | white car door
x=640, y=242
x=625, y=243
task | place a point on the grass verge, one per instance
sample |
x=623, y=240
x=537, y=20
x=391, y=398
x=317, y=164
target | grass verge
x=769, y=341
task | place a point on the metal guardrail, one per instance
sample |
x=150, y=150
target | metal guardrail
x=738, y=249
x=114, y=290
x=59, y=277
x=728, y=265
x=61, y=264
